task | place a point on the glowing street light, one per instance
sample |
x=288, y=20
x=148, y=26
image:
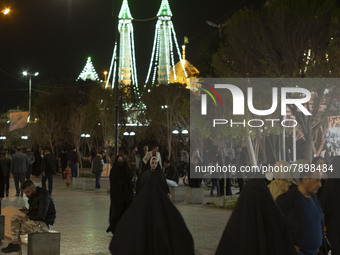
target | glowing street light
x=219, y=26
x=6, y=11
x=30, y=75
x=105, y=75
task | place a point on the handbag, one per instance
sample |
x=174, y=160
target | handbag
x=326, y=245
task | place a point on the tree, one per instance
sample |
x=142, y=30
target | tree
x=99, y=117
x=284, y=39
x=167, y=109
x=50, y=109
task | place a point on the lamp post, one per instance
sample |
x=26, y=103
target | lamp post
x=116, y=82
x=180, y=132
x=30, y=75
x=105, y=76
x=6, y=11
x=219, y=26
x=129, y=134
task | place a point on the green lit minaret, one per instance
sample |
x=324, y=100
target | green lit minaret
x=164, y=18
x=162, y=57
x=127, y=72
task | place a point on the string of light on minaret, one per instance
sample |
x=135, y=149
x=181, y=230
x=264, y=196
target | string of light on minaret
x=162, y=56
x=127, y=71
x=88, y=73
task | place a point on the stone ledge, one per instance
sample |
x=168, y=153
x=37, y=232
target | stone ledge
x=194, y=195
x=177, y=193
x=50, y=241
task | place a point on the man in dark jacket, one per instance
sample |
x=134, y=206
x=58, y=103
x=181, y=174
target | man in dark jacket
x=74, y=160
x=19, y=166
x=38, y=218
x=49, y=167
x=303, y=213
x=171, y=174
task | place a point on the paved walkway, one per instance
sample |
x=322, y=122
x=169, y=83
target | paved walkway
x=82, y=218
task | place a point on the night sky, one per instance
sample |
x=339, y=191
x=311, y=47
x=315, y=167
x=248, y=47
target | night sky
x=55, y=37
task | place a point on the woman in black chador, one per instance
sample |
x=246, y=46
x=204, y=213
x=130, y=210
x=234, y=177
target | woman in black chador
x=152, y=225
x=256, y=226
x=121, y=191
x=330, y=203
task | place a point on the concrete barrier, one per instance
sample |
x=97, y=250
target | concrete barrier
x=47, y=243
x=194, y=195
x=89, y=183
x=77, y=182
x=177, y=193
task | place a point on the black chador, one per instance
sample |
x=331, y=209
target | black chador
x=121, y=191
x=256, y=226
x=152, y=225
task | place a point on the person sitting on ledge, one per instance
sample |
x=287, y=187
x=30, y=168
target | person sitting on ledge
x=38, y=217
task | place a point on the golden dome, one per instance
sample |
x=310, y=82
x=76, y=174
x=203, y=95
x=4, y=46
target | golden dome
x=190, y=69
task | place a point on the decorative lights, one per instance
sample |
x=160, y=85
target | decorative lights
x=162, y=57
x=127, y=71
x=88, y=72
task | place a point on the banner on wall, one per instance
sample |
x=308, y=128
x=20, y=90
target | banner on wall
x=17, y=120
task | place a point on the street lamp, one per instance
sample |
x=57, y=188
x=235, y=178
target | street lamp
x=180, y=132
x=6, y=11
x=105, y=75
x=129, y=134
x=219, y=26
x=30, y=75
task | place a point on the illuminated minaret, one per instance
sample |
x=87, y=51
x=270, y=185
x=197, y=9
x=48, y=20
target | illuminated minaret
x=127, y=73
x=162, y=57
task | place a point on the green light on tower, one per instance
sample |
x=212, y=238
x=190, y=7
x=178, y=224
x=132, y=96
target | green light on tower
x=162, y=56
x=127, y=71
x=88, y=73
x=164, y=10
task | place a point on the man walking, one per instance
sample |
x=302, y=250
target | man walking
x=31, y=159
x=74, y=160
x=134, y=161
x=49, y=166
x=303, y=213
x=38, y=218
x=19, y=166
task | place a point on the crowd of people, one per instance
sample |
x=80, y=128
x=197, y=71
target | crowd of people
x=141, y=211
x=290, y=214
x=285, y=215
x=22, y=163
